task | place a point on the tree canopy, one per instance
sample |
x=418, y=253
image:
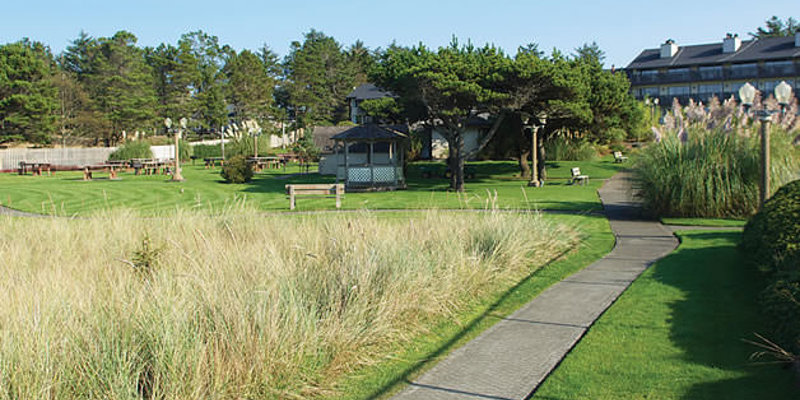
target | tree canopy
x=776, y=27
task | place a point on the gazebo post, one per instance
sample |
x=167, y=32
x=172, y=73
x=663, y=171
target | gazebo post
x=394, y=161
x=401, y=165
x=346, y=164
x=336, y=146
x=371, y=164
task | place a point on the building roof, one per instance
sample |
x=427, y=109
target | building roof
x=750, y=51
x=368, y=91
x=322, y=136
x=373, y=132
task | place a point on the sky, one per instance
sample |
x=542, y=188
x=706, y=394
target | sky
x=621, y=28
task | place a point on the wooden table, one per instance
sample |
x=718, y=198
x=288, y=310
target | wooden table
x=36, y=168
x=211, y=161
x=111, y=168
x=261, y=162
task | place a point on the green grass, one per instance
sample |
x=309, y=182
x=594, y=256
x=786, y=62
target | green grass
x=677, y=333
x=704, y=222
x=67, y=194
x=385, y=379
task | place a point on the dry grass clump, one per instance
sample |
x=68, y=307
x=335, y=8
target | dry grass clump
x=237, y=306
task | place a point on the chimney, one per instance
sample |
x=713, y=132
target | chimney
x=669, y=49
x=731, y=43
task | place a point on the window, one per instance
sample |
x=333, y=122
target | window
x=706, y=92
x=678, y=90
x=744, y=70
x=709, y=73
x=779, y=67
x=649, y=75
x=678, y=73
x=650, y=92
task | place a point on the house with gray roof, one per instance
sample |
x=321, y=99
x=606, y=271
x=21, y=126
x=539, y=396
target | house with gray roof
x=366, y=91
x=700, y=72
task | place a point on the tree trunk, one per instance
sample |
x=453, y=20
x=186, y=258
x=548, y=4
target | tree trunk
x=524, y=167
x=524, y=152
x=458, y=157
x=540, y=163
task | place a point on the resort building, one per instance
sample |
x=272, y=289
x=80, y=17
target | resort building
x=699, y=72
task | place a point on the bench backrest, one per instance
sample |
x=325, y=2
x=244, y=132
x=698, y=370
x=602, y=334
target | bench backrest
x=576, y=171
x=617, y=154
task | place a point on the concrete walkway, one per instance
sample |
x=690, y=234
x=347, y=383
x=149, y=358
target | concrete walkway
x=510, y=359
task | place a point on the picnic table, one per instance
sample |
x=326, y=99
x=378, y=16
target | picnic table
x=150, y=166
x=211, y=161
x=36, y=168
x=261, y=162
x=110, y=167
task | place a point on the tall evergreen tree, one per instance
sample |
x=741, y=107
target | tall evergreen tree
x=318, y=79
x=176, y=71
x=28, y=97
x=210, y=107
x=249, y=86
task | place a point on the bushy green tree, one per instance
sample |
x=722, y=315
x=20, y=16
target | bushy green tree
x=28, y=96
x=250, y=84
x=114, y=73
x=319, y=75
x=455, y=84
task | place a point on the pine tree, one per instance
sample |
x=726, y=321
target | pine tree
x=28, y=97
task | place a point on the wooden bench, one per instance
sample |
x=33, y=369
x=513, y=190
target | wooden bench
x=619, y=158
x=323, y=190
x=579, y=178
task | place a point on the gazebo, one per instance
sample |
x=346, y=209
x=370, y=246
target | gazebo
x=369, y=157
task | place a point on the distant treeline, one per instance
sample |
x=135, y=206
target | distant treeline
x=101, y=86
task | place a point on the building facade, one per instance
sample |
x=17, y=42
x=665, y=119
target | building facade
x=700, y=72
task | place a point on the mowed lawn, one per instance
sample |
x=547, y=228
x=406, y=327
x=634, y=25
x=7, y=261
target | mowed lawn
x=496, y=185
x=677, y=333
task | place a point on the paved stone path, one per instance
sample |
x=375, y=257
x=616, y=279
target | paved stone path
x=16, y=213
x=510, y=359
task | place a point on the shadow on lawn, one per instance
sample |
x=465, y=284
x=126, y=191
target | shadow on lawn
x=720, y=310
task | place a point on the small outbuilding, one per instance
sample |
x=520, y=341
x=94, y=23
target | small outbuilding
x=370, y=157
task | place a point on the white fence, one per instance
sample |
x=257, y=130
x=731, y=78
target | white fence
x=70, y=156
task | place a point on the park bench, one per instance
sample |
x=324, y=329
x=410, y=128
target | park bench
x=619, y=158
x=111, y=168
x=579, y=178
x=320, y=190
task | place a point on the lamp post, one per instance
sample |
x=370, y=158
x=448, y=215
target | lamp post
x=747, y=94
x=535, y=182
x=176, y=174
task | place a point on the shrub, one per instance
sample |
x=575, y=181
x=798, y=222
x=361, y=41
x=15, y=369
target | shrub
x=772, y=240
x=133, y=149
x=244, y=147
x=772, y=237
x=710, y=173
x=569, y=150
x=202, y=151
x=237, y=170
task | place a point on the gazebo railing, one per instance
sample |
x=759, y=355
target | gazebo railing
x=375, y=175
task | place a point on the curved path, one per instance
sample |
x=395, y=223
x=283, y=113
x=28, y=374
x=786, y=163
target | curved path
x=512, y=358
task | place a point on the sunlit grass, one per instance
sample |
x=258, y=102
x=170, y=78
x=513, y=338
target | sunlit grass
x=240, y=306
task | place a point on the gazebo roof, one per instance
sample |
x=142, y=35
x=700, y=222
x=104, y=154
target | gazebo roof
x=373, y=133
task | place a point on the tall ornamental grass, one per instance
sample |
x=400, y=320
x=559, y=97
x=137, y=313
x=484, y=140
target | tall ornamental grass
x=712, y=174
x=239, y=306
x=706, y=161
